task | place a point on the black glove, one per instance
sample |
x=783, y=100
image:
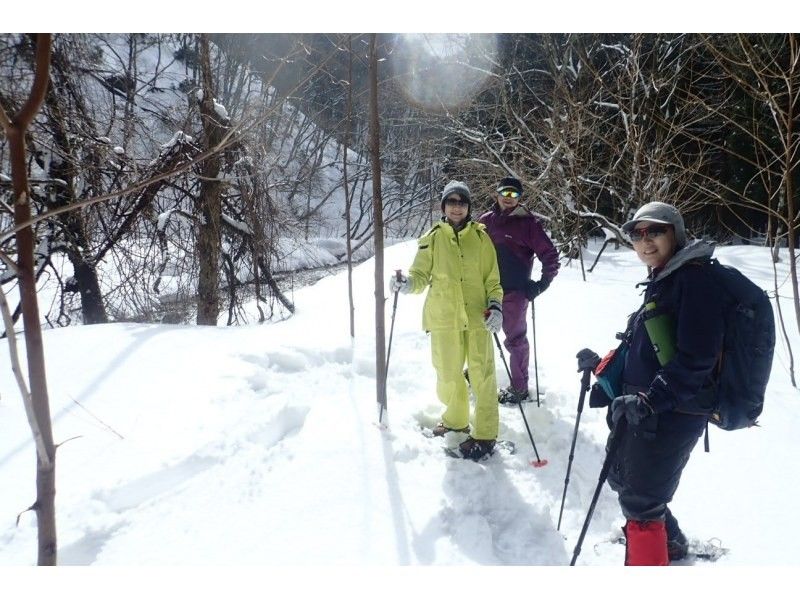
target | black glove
x=536, y=288
x=634, y=407
x=587, y=360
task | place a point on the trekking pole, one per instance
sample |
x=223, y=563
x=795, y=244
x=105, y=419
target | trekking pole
x=398, y=274
x=584, y=387
x=535, y=360
x=611, y=448
x=539, y=462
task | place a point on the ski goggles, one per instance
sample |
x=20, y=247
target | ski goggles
x=651, y=232
x=456, y=201
x=509, y=193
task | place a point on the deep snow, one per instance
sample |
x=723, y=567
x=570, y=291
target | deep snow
x=259, y=446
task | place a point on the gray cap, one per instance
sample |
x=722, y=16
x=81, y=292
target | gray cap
x=660, y=212
x=457, y=187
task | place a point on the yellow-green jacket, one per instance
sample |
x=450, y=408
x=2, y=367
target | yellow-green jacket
x=461, y=269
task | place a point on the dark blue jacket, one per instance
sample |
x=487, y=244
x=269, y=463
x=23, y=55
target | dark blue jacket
x=686, y=291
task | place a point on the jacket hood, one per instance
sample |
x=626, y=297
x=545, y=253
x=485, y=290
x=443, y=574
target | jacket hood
x=696, y=250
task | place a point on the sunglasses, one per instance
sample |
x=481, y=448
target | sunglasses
x=651, y=232
x=509, y=193
x=456, y=201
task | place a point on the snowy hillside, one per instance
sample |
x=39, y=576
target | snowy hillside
x=297, y=161
x=259, y=445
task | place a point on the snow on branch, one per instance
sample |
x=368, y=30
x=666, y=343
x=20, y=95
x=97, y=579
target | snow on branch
x=240, y=226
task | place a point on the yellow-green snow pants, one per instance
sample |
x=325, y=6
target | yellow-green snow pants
x=450, y=351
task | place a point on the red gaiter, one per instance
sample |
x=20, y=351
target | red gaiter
x=645, y=543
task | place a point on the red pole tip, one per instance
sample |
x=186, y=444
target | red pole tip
x=540, y=463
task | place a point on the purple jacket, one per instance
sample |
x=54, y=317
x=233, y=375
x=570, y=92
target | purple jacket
x=518, y=237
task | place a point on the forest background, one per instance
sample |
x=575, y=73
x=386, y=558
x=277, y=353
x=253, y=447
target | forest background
x=207, y=166
x=176, y=177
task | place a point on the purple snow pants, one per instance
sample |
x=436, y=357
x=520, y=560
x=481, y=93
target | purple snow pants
x=515, y=327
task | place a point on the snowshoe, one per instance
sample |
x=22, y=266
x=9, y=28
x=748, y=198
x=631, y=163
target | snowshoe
x=691, y=550
x=500, y=446
x=475, y=449
x=511, y=396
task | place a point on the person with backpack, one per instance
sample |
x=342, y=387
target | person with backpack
x=670, y=351
x=456, y=262
x=518, y=238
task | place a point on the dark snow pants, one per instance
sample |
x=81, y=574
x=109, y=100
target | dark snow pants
x=649, y=461
x=515, y=329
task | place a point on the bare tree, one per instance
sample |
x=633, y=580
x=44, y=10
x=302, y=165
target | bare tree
x=345, y=182
x=380, y=300
x=39, y=409
x=765, y=69
x=208, y=202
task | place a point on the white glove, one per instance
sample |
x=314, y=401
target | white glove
x=494, y=319
x=404, y=285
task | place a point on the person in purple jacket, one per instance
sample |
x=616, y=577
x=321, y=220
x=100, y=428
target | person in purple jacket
x=518, y=237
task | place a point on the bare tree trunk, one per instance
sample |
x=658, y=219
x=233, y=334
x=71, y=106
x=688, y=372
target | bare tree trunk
x=92, y=308
x=791, y=208
x=41, y=425
x=209, y=204
x=377, y=207
x=781, y=322
x=347, y=199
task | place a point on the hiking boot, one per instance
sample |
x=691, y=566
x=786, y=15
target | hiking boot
x=441, y=429
x=677, y=544
x=677, y=547
x=511, y=396
x=475, y=449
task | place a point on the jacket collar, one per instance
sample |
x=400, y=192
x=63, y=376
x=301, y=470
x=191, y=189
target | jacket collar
x=464, y=225
x=518, y=210
x=449, y=229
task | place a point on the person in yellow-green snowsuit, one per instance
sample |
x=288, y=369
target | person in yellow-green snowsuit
x=456, y=260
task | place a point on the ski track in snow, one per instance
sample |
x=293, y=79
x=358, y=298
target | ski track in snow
x=113, y=510
x=491, y=512
x=118, y=504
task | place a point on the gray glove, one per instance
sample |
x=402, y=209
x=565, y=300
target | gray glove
x=634, y=407
x=494, y=317
x=402, y=284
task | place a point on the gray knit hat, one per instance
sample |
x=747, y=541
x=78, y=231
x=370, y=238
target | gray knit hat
x=660, y=212
x=458, y=187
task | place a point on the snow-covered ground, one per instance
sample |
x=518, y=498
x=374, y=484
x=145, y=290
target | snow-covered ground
x=259, y=446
